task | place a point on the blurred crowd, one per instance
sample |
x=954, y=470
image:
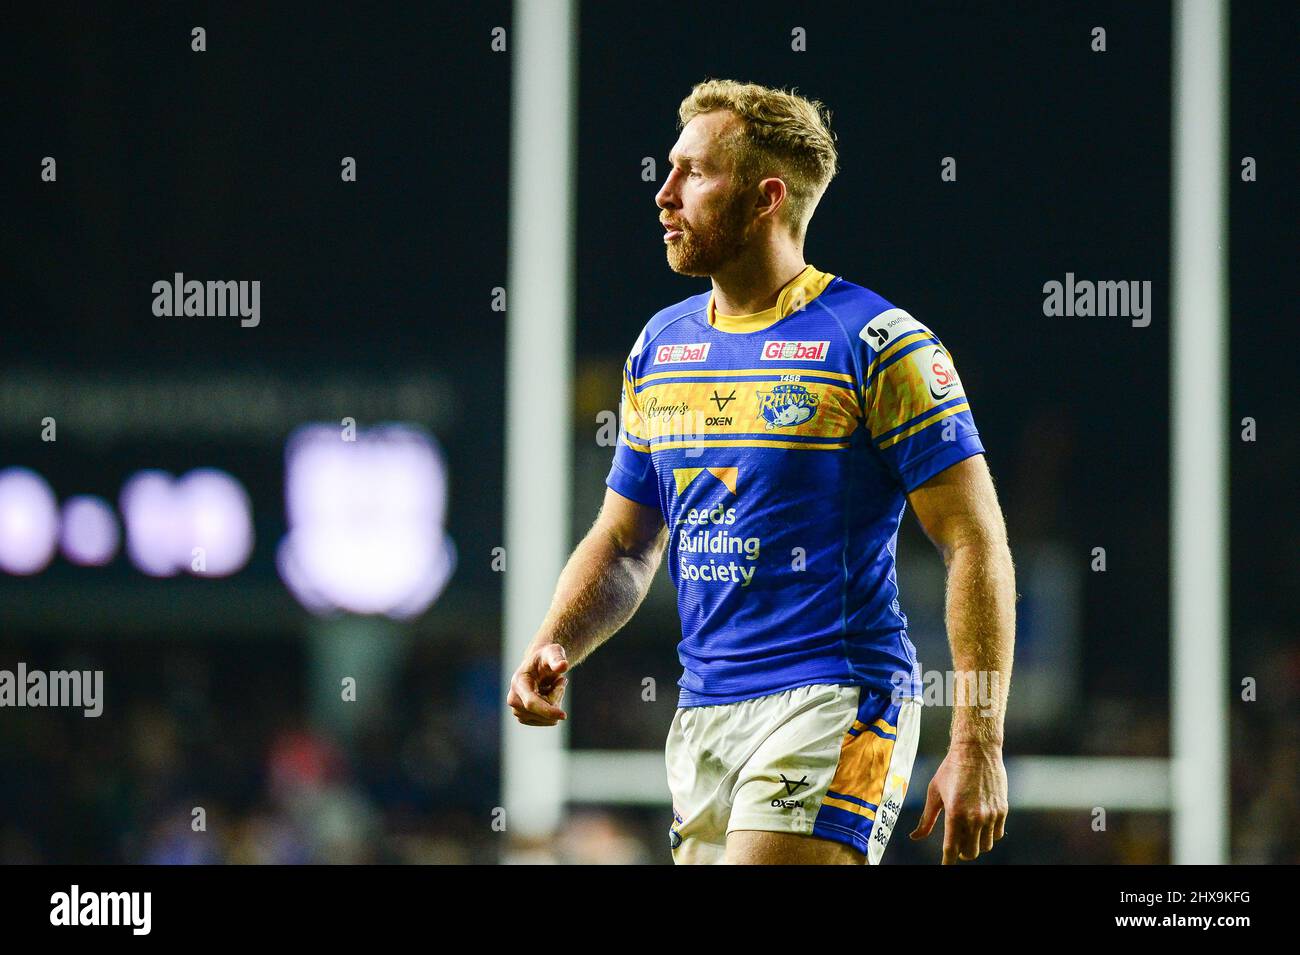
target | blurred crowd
x=203, y=755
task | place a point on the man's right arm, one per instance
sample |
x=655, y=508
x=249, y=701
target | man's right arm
x=603, y=583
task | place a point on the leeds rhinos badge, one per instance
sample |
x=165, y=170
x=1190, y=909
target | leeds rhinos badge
x=787, y=406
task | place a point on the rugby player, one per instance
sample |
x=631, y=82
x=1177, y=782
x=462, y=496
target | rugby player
x=773, y=431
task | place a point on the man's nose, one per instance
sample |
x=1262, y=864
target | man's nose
x=666, y=198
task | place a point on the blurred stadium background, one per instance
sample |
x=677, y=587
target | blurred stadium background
x=222, y=689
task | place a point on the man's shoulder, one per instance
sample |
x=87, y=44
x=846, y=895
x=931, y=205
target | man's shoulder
x=855, y=305
x=869, y=316
x=665, y=318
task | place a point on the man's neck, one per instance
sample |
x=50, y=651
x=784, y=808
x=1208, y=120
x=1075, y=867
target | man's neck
x=752, y=284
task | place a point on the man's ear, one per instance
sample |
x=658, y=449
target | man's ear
x=772, y=194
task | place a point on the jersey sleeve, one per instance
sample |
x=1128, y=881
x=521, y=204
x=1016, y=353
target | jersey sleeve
x=632, y=473
x=914, y=405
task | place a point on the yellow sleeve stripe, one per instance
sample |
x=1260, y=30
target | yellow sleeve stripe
x=910, y=338
x=947, y=412
x=630, y=414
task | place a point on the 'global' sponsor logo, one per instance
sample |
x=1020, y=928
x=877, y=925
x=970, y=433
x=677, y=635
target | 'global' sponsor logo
x=795, y=351
x=676, y=354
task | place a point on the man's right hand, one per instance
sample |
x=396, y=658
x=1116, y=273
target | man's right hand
x=538, y=686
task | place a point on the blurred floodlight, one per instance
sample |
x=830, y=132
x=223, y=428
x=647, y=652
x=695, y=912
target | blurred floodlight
x=90, y=535
x=216, y=515
x=147, y=510
x=29, y=521
x=365, y=520
x=167, y=519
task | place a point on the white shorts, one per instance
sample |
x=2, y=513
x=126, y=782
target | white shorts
x=826, y=760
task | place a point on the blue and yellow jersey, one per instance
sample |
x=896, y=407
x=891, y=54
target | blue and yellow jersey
x=779, y=447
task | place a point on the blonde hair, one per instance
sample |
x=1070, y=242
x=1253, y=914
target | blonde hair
x=781, y=134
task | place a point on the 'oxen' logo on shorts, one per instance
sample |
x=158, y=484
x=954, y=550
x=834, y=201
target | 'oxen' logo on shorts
x=792, y=785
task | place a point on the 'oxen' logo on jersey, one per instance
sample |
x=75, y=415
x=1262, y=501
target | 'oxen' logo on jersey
x=787, y=406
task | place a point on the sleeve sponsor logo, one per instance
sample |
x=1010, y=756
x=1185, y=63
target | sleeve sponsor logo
x=939, y=374
x=889, y=326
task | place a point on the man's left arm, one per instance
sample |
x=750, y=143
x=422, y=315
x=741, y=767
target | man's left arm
x=958, y=509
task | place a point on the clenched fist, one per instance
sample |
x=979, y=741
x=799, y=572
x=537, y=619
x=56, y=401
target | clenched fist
x=538, y=686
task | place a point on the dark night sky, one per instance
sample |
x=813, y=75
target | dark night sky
x=225, y=165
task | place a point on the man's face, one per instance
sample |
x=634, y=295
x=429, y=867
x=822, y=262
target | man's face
x=707, y=216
